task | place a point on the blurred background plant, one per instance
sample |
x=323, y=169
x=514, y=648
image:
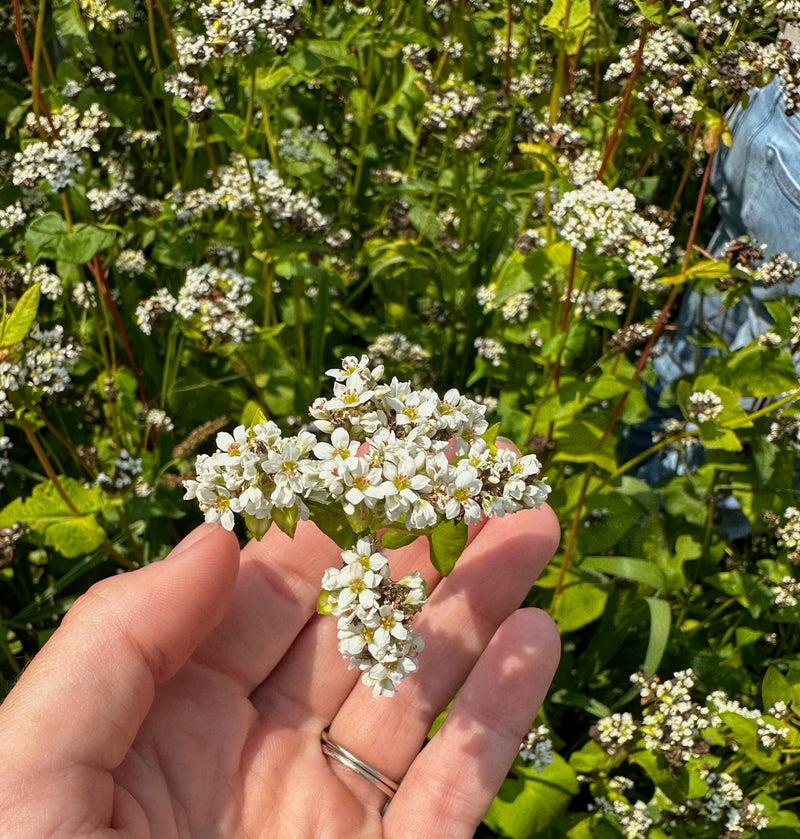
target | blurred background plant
x=204, y=206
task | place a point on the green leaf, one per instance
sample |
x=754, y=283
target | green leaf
x=520, y=273
x=638, y=570
x=332, y=521
x=335, y=51
x=267, y=81
x=526, y=806
x=397, y=539
x=660, y=621
x=16, y=325
x=41, y=236
x=568, y=20
x=759, y=371
x=775, y=688
x=447, y=542
x=82, y=243
x=72, y=532
x=578, y=605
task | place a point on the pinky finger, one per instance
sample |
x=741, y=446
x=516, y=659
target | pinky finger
x=449, y=786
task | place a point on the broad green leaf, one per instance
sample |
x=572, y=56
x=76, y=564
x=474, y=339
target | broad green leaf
x=267, y=81
x=335, y=51
x=526, y=806
x=447, y=542
x=775, y=688
x=16, y=325
x=42, y=236
x=759, y=371
x=580, y=442
x=660, y=621
x=397, y=539
x=578, y=605
x=638, y=570
x=84, y=241
x=332, y=521
x=71, y=532
x=568, y=20
x=591, y=757
x=520, y=273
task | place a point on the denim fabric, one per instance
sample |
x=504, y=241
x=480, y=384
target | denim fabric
x=757, y=184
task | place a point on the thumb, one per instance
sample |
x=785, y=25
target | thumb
x=87, y=692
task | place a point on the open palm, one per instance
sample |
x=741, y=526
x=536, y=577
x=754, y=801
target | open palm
x=187, y=699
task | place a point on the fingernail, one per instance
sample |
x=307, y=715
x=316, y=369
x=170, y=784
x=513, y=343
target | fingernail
x=509, y=444
x=191, y=539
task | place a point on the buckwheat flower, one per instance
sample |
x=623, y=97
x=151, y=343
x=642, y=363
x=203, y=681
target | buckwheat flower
x=491, y=350
x=704, y=406
x=363, y=484
x=485, y=295
x=615, y=730
x=517, y=308
x=340, y=446
x=786, y=592
x=158, y=419
x=402, y=485
x=771, y=736
x=162, y=302
x=131, y=261
x=770, y=340
x=49, y=282
x=12, y=216
x=537, y=748
x=463, y=490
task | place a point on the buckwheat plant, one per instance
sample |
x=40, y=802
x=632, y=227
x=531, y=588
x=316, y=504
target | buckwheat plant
x=399, y=460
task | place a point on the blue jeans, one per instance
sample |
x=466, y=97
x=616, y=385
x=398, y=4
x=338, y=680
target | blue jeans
x=757, y=183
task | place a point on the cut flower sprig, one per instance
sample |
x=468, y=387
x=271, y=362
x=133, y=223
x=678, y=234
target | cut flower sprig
x=397, y=464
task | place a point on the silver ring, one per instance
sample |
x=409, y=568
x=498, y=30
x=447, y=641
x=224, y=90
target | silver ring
x=338, y=752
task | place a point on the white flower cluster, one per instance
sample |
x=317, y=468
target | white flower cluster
x=662, y=48
x=386, y=465
x=123, y=473
x=131, y=261
x=673, y=723
x=49, y=282
x=450, y=106
x=58, y=157
x=537, y=748
x=394, y=346
x=704, y=406
x=232, y=27
x=789, y=532
x=374, y=616
x=252, y=187
x=491, y=350
x=5, y=463
x=607, y=219
x=186, y=87
x=100, y=13
x=298, y=143
x=634, y=820
x=780, y=268
x=42, y=365
x=786, y=592
x=615, y=730
x=725, y=799
x=403, y=477
x=12, y=216
x=211, y=301
x=595, y=302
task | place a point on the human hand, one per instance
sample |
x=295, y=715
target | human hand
x=187, y=698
